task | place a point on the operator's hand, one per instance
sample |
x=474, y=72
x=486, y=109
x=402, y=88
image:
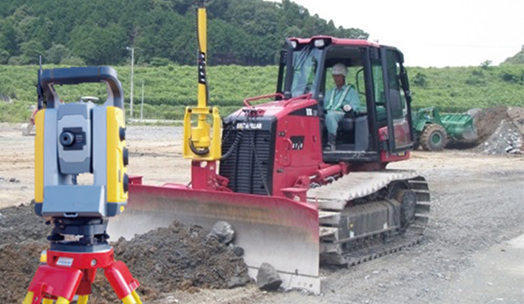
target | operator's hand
x=347, y=108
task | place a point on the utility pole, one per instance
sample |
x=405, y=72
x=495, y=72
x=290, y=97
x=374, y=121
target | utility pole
x=132, y=49
x=142, y=103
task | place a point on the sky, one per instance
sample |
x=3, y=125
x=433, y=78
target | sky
x=433, y=33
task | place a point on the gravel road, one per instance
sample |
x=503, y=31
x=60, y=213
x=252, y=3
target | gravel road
x=473, y=251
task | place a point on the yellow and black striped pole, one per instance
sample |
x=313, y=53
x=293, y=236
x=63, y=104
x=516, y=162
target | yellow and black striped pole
x=198, y=143
x=202, y=52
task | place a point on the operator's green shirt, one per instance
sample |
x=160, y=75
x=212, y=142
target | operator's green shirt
x=337, y=98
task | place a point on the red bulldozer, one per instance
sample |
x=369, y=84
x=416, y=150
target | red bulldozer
x=297, y=195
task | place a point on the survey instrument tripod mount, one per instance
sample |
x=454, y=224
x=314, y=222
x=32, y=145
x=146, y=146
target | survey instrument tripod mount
x=73, y=139
x=90, y=235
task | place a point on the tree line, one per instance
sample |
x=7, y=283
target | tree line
x=96, y=32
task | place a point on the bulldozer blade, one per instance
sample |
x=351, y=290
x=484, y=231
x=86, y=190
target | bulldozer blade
x=275, y=230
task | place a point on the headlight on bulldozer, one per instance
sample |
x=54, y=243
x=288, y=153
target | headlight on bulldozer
x=319, y=43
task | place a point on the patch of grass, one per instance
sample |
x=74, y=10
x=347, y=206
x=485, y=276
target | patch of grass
x=168, y=90
x=15, y=112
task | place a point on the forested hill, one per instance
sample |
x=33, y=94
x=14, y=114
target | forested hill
x=94, y=32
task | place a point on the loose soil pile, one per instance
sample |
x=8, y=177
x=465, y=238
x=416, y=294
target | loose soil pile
x=179, y=257
x=500, y=130
x=17, y=267
x=22, y=239
x=21, y=224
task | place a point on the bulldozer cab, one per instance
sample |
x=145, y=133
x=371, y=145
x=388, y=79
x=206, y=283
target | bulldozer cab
x=379, y=122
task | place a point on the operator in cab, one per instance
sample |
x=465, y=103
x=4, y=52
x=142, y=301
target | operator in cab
x=343, y=98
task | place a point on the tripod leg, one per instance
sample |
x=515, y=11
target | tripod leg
x=122, y=282
x=28, y=298
x=62, y=301
x=128, y=300
x=133, y=298
x=60, y=282
x=136, y=297
x=84, y=289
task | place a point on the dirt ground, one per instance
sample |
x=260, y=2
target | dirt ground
x=473, y=250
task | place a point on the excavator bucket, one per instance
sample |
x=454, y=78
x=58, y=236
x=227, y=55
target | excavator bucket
x=275, y=230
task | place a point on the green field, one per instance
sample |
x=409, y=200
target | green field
x=169, y=89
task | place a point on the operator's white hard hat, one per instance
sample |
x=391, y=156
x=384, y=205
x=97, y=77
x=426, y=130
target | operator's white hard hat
x=339, y=69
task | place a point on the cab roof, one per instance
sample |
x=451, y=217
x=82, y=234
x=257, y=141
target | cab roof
x=336, y=41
